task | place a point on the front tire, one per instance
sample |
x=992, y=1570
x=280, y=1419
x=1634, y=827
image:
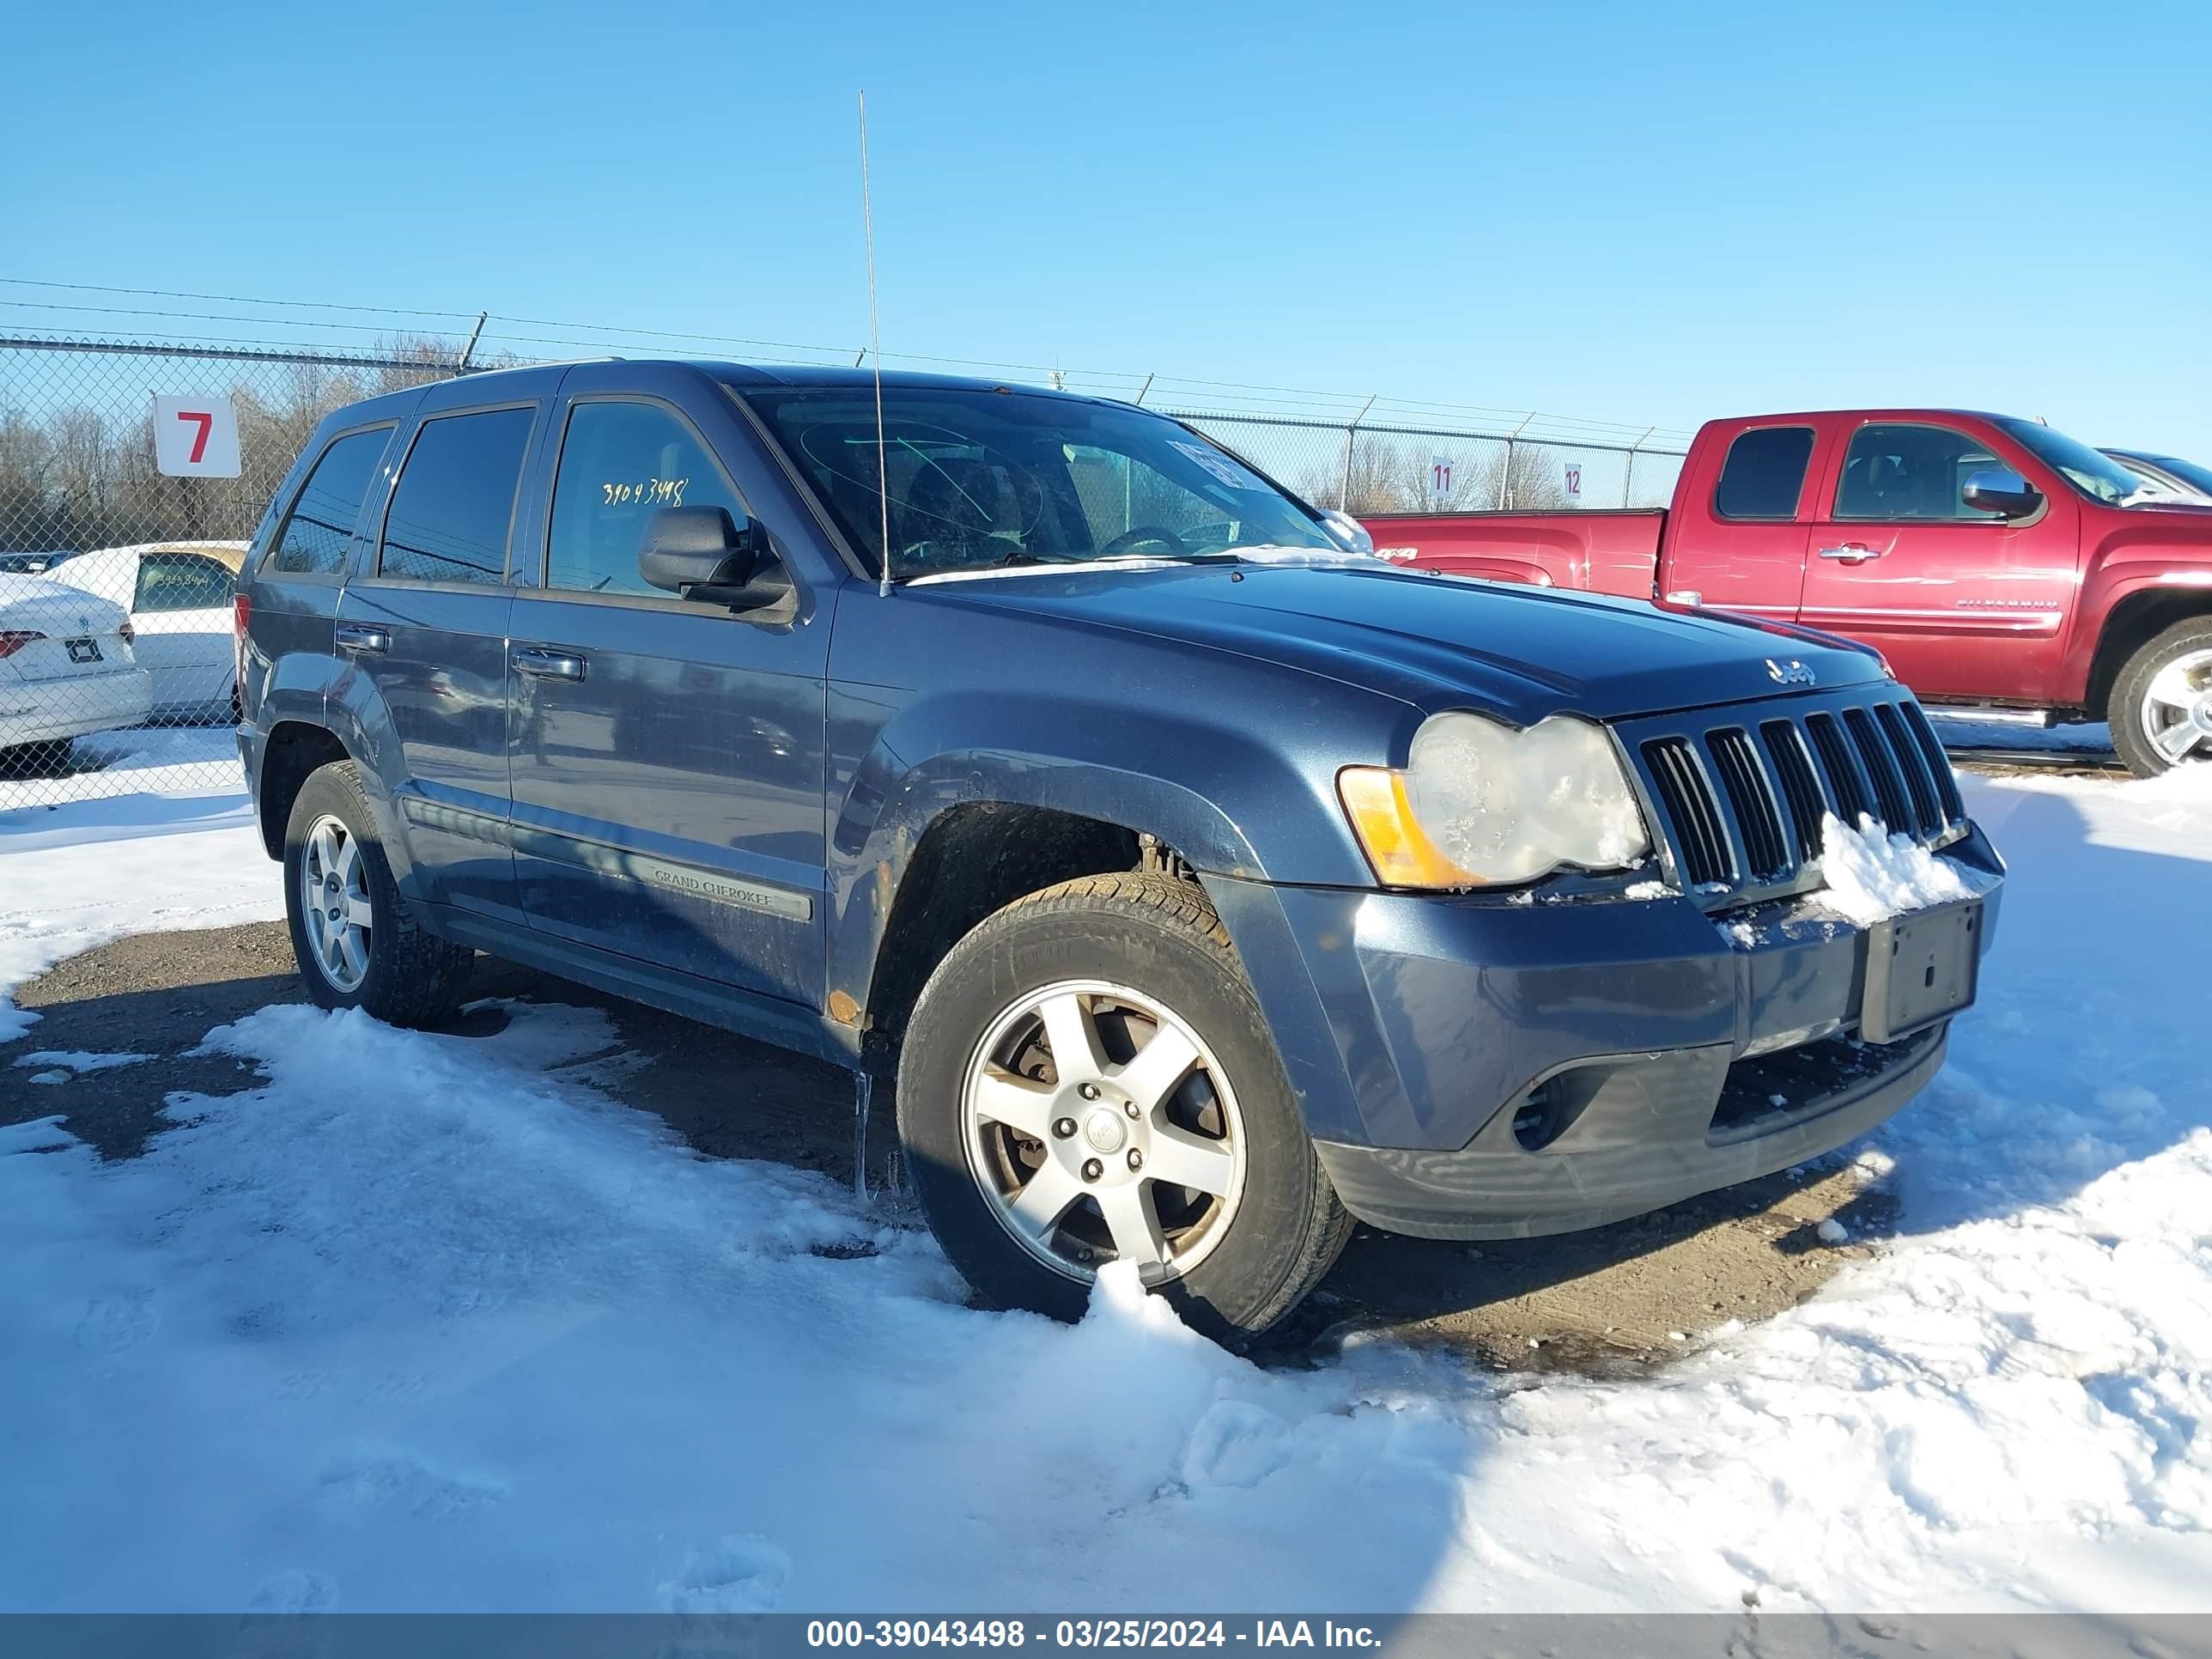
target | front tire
x=356, y=942
x=1086, y=1079
x=2160, y=707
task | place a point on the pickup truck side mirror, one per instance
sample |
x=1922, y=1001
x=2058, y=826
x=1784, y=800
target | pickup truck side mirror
x=2001, y=490
x=702, y=553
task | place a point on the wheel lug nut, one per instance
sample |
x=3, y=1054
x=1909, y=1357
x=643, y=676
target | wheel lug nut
x=1064, y=1128
x=1136, y=1159
x=1089, y=1091
x=1092, y=1168
x=1130, y=1107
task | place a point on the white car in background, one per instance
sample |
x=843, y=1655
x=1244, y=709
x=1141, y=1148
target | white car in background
x=179, y=595
x=66, y=669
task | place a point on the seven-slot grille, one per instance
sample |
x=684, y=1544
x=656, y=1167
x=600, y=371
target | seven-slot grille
x=1741, y=801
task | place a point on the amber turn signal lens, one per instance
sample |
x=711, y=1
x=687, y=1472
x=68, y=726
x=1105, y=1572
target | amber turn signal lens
x=1375, y=800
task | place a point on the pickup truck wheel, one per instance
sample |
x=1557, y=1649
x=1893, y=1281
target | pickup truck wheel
x=1087, y=1078
x=356, y=945
x=2160, y=709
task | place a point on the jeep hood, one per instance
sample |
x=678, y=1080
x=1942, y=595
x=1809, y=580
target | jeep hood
x=1443, y=641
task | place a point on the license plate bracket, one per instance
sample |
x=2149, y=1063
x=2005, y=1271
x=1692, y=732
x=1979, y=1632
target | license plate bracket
x=84, y=651
x=1921, y=967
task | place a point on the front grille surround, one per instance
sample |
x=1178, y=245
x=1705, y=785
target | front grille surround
x=1734, y=794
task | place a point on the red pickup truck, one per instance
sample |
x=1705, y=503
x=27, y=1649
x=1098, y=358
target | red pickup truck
x=1995, y=563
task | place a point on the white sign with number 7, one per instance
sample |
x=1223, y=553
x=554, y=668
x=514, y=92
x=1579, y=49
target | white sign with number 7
x=195, y=437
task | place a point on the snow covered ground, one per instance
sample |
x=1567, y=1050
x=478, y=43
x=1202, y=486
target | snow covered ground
x=433, y=1323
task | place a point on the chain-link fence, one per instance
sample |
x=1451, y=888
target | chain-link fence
x=116, y=667
x=116, y=671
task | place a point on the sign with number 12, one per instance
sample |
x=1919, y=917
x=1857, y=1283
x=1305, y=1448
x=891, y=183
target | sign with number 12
x=195, y=437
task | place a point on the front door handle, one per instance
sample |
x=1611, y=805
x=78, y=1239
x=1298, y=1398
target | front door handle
x=1851, y=552
x=544, y=663
x=362, y=636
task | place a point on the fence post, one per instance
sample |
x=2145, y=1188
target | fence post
x=469, y=350
x=1628, y=477
x=1344, y=490
x=1505, y=472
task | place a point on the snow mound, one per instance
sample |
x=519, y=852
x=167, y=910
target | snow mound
x=1872, y=875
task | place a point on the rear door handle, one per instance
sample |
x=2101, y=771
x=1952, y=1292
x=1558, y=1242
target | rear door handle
x=544, y=663
x=362, y=636
x=1851, y=552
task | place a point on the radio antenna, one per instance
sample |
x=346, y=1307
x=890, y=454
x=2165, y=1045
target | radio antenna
x=876, y=355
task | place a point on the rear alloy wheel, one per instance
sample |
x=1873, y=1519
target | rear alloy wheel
x=357, y=944
x=335, y=903
x=2160, y=710
x=1086, y=1079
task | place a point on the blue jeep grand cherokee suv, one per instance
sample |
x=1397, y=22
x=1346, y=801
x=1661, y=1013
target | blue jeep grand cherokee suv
x=1200, y=885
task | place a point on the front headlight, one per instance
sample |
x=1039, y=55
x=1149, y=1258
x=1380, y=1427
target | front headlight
x=1481, y=805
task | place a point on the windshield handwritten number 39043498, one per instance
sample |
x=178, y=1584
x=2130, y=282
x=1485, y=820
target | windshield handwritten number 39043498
x=204, y=419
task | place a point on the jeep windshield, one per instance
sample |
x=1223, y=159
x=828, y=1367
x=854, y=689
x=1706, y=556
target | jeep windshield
x=989, y=479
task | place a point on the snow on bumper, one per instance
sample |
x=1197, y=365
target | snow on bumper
x=47, y=711
x=1483, y=1070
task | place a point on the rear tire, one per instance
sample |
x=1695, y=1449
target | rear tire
x=357, y=943
x=2162, y=698
x=48, y=759
x=1078, y=1169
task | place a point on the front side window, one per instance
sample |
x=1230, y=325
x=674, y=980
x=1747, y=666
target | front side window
x=1911, y=474
x=320, y=527
x=454, y=502
x=978, y=479
x=181, y=581
x=1764, y=473
x=621, y=463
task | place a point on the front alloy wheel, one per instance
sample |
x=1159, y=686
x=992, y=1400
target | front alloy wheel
x=2176, y=709
x=334, y=904
x=1087, y=1079
x=2160, y=706
x=1101, y=1128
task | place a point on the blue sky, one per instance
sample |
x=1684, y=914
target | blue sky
x=1632, y=212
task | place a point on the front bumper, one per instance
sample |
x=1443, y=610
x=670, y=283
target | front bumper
x=1650, y=1051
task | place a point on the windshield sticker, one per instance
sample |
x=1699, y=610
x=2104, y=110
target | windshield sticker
x=660, y=492
x=1219, y=465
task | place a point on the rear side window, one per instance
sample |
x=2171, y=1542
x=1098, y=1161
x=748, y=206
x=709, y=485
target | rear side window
x=181, y=581
x=621, y=463
x=454, y=502
x=320, y=528
x=1764, y=473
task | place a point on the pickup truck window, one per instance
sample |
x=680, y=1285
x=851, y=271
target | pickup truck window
x=620, y=463
x=983, y=478
x=2095, y=474
x=455, y=499
x=319, y=529
x=1764, y=473
x=1909, y=473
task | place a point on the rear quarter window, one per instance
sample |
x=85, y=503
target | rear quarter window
x=453, y=506
x=318, y=529
x=1764, y=473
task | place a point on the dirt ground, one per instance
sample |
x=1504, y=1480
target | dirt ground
x=1611, y=1301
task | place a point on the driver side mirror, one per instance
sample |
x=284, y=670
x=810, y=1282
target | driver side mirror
x=702, y=553
x=2001, y=490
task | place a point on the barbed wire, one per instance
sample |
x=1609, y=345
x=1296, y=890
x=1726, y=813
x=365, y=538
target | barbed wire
x=502, y=331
